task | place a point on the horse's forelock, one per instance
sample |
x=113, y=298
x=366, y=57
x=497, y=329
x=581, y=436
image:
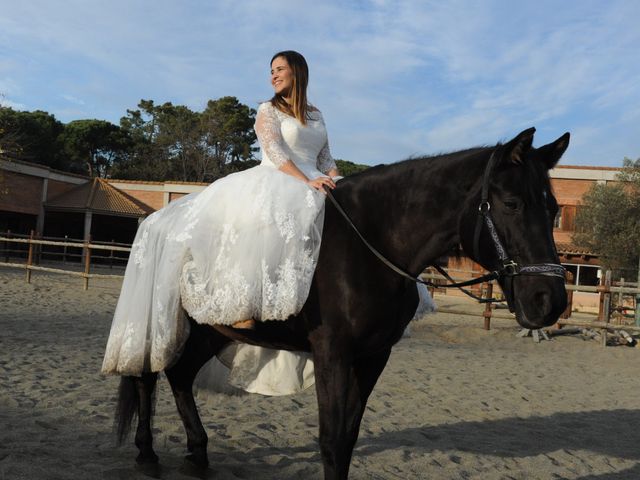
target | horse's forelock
x=537, y=182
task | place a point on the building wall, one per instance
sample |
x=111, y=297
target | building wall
x=157, y=194
x=174, y=196
x=57, y=187
x=23, y=193
x=155, y=199
x=569, y=191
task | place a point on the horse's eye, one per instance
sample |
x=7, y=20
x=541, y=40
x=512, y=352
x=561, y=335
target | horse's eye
x=511, y=204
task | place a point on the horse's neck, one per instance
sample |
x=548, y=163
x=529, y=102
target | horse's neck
x=417, y=215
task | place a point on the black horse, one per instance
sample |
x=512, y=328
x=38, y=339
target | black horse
x=413, y=212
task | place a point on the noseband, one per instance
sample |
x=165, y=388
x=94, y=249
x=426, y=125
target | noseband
x=508, y=268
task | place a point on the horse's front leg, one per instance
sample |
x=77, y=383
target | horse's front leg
x=343, y=387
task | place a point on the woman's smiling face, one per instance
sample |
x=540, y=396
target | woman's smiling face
x=281, y=76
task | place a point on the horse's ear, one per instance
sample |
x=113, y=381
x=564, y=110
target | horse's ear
x=516, y=149
x=551, y=153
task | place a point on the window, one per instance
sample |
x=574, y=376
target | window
x=584, y=274
x=557, y=222
x=589, y=275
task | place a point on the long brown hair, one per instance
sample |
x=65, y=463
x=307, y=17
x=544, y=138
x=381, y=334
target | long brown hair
x=299, y=108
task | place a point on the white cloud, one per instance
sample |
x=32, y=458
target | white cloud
x=72, y=99
x=5, y=102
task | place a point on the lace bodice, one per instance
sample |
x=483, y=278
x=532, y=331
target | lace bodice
x=283, y=138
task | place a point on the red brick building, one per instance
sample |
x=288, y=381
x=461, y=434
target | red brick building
x=24, y=188
x=58, y=204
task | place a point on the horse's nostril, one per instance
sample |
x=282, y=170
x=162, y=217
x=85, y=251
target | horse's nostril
x=543, y=303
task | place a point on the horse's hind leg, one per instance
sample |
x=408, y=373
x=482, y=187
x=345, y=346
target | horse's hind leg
x=202, y=344
x=135, y=398
x=145, y=386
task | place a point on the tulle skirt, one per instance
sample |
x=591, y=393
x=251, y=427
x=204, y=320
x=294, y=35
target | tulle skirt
x=244, y=247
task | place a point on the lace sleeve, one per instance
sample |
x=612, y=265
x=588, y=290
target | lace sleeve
x=325, y=161
x=267, y=129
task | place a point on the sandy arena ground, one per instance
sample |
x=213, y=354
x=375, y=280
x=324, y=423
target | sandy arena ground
x=455, y=402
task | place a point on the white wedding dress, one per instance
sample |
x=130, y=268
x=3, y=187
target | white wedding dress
x=244, y=247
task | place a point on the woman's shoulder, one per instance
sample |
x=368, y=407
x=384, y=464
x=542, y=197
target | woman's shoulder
x=266, y=106
x=314, y=113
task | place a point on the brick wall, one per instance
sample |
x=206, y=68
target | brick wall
x=570, y=192
x=155, y=199
x=56, y=187
x=173, y=196
x=24, y=193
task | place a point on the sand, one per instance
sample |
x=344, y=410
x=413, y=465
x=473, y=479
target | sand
x=455, y=402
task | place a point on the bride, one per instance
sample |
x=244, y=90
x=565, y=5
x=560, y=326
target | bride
x=242, y=250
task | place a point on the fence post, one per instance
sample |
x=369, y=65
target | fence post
x=487, y=307
x=30, y=257
x=567, y=311
x=87, y=262
x=605, y=305
x=637, y=311
x=619, y=307
x=64, y=251
x=111, y=255
x=39, y=248
x=6, y=247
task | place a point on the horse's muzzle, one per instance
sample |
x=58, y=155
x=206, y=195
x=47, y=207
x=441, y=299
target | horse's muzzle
x=539, y=301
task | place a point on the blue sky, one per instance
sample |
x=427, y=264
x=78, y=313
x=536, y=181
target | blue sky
x=393, y=78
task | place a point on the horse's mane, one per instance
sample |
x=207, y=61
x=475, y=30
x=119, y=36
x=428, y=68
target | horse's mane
x=409, y=164
x=536, y=177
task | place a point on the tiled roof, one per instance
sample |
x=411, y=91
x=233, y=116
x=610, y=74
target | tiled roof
x=150, y=182
x=100, y=197
x=570, y=248
x=40, y=165
x=589, y=167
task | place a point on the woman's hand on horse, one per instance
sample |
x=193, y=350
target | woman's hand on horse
x=320, y=182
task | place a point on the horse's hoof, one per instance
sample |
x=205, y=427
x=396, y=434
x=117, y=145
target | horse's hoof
x=149, y=469
x=197, y=460
x=195, y=466
x=149, y=458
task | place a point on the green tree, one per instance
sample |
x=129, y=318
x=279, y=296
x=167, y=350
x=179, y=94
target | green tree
x=345, y=167
x=145, y=159
x=31, y=136
x=92, y=147
x=180, y=140
x=608, y=221
x=171, y=142
x=228, y=134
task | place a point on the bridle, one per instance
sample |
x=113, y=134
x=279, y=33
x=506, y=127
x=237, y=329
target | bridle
x=508, y=269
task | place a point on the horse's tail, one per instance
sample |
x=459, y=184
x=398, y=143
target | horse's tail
x=129, y=401
x=127, y=407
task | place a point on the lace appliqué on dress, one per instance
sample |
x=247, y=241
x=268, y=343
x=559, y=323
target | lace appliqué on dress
x=269, y=135
x=325, y=161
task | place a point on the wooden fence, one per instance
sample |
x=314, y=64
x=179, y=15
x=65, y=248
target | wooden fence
x=603, y=323
x=70, y=253
x=32, y=250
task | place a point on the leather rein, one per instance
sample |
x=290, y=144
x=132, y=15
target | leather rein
x=508, y=269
